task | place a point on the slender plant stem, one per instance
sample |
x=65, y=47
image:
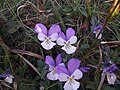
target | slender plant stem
x=101, y=82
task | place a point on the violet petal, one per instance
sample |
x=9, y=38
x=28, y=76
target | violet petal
x=69, y=33
x=41, y=28
x=49, y=60
x=99, y=27
x=62, y=35
x=54, y=29
x=58, y=59
x=62, y=69
x=4, y=75
x=112, y=68
x=73, y=64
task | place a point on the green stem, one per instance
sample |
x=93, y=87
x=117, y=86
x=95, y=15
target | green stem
x=51, y=86
x=101, y=82
x=88, y=8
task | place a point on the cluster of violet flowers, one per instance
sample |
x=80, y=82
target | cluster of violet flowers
x=70, y=75
x=58, y=70
x=54, y=34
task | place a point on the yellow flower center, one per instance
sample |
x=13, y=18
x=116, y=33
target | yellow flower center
x=70, y=78
x=67, y=44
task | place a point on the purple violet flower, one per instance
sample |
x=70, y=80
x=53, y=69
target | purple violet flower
x=109, y=71
x=47, y=36
x=70, y=74
x=67, y=40
x=97, y=30
x=7, y=77
x=52, y=75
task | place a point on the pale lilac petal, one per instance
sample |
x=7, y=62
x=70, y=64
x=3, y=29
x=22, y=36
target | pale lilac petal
x=75, y=85
x=48, y=45
x=70, y=49
x=53, y=37
x=54, y=29
x=52, y=75
x=73, y=64
x=69, y=33
x=62, y=69
x=62, y=35
x=71, y=85
x=96, y=34
x=77, y=74
x=41, y=36
x=60, y=41
x=58, y=59
x=40, y=28
x=9, y=79
x=111, y=78
x=63, y=77
x=68, y=86
x=51, y=68
x=49, y=60
x=72, y=40
x=60, y=65
x=100, y=36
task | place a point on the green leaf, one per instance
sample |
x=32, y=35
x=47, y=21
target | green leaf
x=43, y=73
x=84, y=46
x=107, y=88
x=91, y=86
x=83, y=12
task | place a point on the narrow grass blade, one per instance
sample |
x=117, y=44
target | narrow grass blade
x=30, y=64
x=26, y=53
x=114, y=10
